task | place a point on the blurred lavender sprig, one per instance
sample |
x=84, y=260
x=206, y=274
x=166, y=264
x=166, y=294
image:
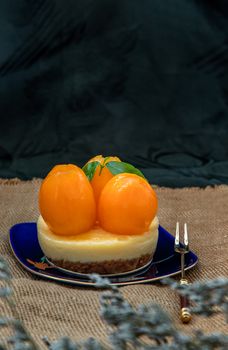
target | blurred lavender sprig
x=21, y=339
x=130, y=326
x=146, y=327
x=209, y=297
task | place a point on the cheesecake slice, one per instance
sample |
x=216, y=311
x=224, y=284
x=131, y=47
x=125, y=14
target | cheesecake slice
x=98, y=251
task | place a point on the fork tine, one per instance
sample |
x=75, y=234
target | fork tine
x=177, y=237
x=185, y=235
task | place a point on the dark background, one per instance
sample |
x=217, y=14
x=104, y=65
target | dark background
x=146, y=80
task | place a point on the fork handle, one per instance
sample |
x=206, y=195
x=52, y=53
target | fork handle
x=185, y=313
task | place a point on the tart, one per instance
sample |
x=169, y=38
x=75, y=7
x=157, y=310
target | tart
x=101, y=223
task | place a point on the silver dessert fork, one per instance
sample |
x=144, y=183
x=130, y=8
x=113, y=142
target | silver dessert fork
x=183, y=248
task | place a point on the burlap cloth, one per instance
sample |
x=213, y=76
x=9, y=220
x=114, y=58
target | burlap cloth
x=54, y=310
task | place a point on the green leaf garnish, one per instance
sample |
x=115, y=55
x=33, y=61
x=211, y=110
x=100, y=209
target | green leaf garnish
x=89, y=169
x=105, y=160
x=122, y=167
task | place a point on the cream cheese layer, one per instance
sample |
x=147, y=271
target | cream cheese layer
x=97, y=244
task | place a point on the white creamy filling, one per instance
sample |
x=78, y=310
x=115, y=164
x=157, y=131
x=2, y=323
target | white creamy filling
x=97, y=244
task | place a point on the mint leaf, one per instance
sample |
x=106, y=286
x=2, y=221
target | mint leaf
x=89, y=169
x=122, y=167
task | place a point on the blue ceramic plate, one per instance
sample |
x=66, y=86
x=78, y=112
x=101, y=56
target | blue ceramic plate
x=27, y=251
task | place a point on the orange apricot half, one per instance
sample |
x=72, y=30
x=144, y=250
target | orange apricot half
x=66, y=200
x=102, y=174
x=127, y=205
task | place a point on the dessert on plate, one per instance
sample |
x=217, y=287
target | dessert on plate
x=101, y=218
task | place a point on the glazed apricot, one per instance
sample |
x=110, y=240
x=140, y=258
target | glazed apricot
x=66, y=201
x=127, y=205
x=102, y=174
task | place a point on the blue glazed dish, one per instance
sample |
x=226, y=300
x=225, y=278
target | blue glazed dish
x=26, y=249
